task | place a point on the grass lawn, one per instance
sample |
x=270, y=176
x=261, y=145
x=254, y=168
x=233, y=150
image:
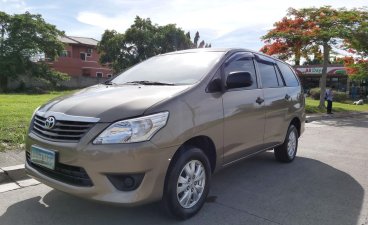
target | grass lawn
x=15, y=114
x=16, y=111
x=312, y=107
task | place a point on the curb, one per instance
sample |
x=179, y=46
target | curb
x=312, y=118
x=15, y=177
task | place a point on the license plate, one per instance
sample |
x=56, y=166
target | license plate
x=43, y=157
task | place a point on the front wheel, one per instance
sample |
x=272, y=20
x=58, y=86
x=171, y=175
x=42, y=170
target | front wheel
x=187, y=184
x=287, y=151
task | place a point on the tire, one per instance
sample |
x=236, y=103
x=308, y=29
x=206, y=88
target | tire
x=178, y=185
x=287, y=151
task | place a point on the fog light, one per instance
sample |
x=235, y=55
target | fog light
x=125, y=182
x=128, y=182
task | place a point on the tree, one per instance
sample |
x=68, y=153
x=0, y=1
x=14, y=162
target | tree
x=357, y=69
x=196, y=39
x=141, y=40
x=21, y=37
x=290, y=37
x=323, y=27
x=357, y=42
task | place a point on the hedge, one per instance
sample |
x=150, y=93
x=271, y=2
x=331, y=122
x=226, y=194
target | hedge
x=338, y=96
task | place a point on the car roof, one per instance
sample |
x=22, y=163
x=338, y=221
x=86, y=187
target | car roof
x=225, y=50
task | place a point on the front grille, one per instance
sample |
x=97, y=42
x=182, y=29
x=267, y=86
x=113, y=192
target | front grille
x=66, y=131
x=65, y=173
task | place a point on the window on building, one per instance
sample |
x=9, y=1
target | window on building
x=83, y=56
x=109, y=75
x=99, y=74
x=288, y=74
x=268, y=75
x=244, y=65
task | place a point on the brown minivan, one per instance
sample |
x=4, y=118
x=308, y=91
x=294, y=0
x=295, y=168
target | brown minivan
x=159, y=130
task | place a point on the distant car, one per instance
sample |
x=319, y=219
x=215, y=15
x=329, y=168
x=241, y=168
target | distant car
x=161, y=129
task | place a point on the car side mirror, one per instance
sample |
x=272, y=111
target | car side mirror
x=214, y=86
x=239, y=79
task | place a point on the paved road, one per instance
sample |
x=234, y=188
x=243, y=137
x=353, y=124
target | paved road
x=326, y=184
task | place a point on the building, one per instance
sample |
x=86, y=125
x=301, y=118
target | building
x=311, y=74
x=80, y=58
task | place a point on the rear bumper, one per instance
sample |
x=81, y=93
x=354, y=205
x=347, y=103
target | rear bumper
x=98, y=161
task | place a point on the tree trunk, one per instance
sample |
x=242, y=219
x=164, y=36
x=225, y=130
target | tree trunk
x=322, y=83
x=297, y=58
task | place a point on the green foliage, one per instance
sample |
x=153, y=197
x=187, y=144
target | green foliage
x=338, y=96
x=358, y=70
x=356, y=39
x=315, y=93
x=196, y=39
x=141, y=41
x=23, y=36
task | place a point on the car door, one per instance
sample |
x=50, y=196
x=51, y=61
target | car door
x=276, y=100
x=244, y=114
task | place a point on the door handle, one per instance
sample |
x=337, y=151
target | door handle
x=287, y=97
x=260, y=100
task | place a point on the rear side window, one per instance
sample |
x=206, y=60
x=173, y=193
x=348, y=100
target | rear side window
x=242, y=65
x=268, y=75
x=288, y=74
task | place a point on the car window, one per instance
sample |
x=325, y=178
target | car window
x=242, y=65
x=288, y=74
x=178, y=69
x=279, y=77
x=268, y=75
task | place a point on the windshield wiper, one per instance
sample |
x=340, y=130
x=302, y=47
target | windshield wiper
x=108, y=82
x=146, y=82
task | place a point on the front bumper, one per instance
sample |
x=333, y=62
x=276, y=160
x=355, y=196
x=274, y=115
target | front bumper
x=100, y=160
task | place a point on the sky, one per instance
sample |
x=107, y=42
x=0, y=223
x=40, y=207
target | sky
x=223, y=23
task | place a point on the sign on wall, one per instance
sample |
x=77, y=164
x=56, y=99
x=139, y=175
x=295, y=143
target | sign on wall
x=318, y=70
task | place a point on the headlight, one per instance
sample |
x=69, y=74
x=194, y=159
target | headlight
x=133, y=130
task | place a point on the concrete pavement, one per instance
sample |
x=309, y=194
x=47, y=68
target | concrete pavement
x=326, y=184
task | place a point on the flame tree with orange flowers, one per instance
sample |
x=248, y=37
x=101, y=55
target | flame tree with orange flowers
x=301, y=29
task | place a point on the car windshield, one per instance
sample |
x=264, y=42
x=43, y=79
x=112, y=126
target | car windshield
x=171, y=69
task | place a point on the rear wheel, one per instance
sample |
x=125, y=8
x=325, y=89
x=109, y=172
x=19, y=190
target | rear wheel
x=187, y=184
x=287, y=151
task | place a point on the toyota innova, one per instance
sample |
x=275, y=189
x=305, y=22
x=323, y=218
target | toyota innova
x=161, y=129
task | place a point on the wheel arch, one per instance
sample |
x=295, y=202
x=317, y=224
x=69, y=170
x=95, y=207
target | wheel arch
x=296, y=122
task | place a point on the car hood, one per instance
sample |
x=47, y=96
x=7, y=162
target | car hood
x=112, y=102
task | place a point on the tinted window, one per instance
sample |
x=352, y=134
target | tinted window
x=184, y=68
x=279, y=77
x=289, y=76
x=242, y=65
x=268, y=75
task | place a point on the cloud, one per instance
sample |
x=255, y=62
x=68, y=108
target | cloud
x=101, y=21
x=13, y=6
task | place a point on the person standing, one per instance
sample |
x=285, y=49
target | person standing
x=329, y=98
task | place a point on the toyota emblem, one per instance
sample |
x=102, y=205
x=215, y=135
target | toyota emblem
x=50, y=122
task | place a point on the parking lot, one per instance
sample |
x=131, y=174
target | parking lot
x=326, y=184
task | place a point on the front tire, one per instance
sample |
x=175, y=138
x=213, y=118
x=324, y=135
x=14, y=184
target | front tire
x=287, y=151
x=187, y=183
